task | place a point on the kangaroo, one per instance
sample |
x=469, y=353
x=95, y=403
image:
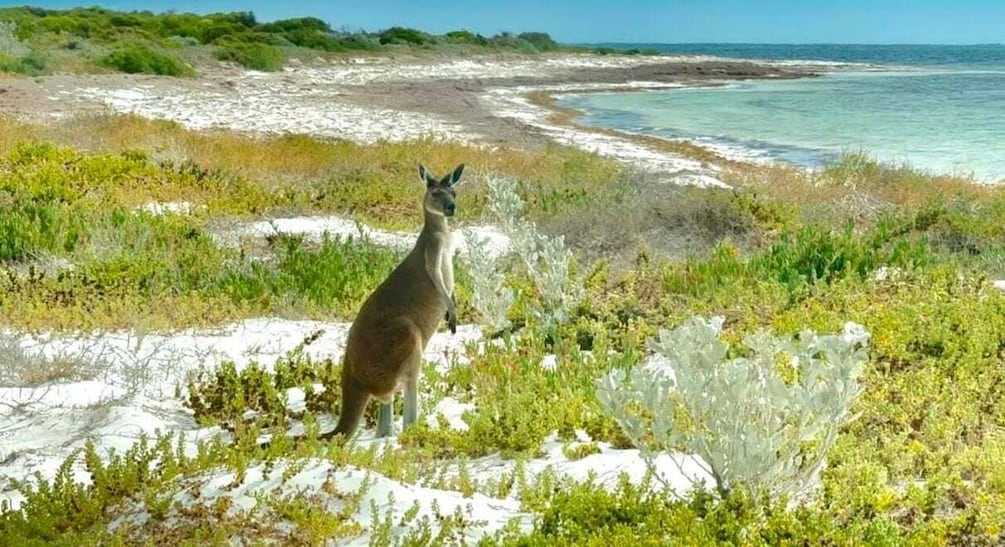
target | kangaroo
x=386, y=341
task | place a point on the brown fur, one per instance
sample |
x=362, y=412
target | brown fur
x=386, y=341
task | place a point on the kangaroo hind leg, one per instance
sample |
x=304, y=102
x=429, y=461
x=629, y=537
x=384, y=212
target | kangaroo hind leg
x=385, y=417
x=412, y=370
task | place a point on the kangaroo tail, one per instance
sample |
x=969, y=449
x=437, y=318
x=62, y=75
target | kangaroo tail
x=354, y=399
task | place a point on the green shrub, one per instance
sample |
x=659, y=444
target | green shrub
x=296, y=24
x=28, y=229
x=402, y=35
x=540, y=40
x=588, y=514
x=314, y=39
x=138, y=59
x=466, y=37
x=33, y=64
x=337, y=275
x=66, y=512
x=255, y=56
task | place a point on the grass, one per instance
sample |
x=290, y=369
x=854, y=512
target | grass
x=377, y=183
x=909, y=256
x=89, y=39
x=132, y=268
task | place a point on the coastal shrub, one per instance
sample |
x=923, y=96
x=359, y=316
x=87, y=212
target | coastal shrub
x=335, y=276
x=32, y=64
x=30, y=229
x=546, y=260
x=750, y=422
x=465, y=37
x=313, y=39
x=402, y=35
x=251, y=37
x=183, y=41
x=10, y=44
x=815, y=255
x=508, y=40
x=799, y=260
x=666, y=221
x=541, y=41
x=630, y=514
x=490, y=296
x=51, y=511
x=139, y=59
x=103, y=29
x=296, y=24
x=253, y=55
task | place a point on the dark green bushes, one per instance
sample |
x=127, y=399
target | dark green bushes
x=295, y=25
x=139, y=59
x=406, y=36
x=138, y=37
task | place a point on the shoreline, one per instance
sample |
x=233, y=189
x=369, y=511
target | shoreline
x=738, y=152
x=482, y=101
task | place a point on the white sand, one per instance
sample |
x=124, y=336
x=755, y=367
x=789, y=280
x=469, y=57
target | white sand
x=136, y=395
x=310, y=100
x=315, y=227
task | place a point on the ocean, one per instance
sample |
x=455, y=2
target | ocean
x=940, y=109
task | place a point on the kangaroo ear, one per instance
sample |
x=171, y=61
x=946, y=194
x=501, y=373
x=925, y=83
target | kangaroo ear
x=452, y=178
x=426, y=177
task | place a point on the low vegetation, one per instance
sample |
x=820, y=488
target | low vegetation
x=139, y=59
x=908, y=257
x=37, y=41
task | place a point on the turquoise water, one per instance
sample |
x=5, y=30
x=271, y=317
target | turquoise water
x=936, y=108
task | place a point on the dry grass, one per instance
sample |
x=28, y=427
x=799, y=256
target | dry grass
x=856, y=188
x=377, y=183
x=18, y=368
x=663, y=220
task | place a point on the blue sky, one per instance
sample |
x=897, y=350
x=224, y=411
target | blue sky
x=757, y=21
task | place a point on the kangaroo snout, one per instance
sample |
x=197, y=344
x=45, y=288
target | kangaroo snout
x=448, y=209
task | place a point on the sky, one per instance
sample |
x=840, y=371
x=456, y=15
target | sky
x=666, y=21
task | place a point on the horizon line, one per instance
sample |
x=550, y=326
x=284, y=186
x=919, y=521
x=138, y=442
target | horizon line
x=958, y=44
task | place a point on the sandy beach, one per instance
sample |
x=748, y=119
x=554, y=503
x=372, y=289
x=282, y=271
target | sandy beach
x=482, y=100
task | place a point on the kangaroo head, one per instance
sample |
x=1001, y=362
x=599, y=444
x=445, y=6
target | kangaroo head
x=440, y=193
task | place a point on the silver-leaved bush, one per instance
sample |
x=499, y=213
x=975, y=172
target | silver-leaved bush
x=763, y=421
x=546, y=260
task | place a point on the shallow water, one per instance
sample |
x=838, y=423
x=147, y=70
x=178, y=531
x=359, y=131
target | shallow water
x=943, y=112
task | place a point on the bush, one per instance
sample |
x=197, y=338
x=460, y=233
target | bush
x=33, y=64
x=314, y=39
x=138, y=59
x=466, y=37
x=402, y=35
x=252, y=55
x=337, y=275
x=546, y=260
x=540, y=40
x=296, y=24
x=748, y=423
x=509, y=40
